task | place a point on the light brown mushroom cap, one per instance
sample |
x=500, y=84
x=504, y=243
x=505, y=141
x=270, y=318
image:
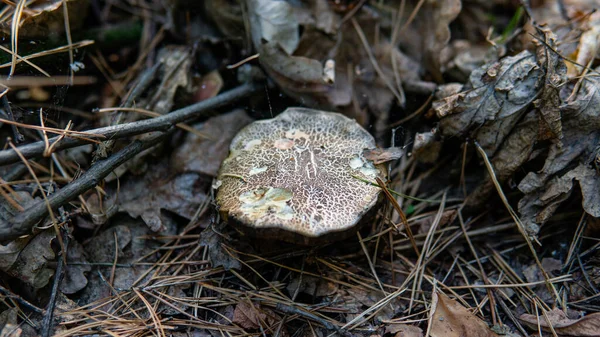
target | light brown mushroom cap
x=299, y=172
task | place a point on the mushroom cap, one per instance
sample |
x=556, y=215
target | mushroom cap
x=302, y=172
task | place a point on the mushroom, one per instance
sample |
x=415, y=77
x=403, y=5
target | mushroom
x=300, y=177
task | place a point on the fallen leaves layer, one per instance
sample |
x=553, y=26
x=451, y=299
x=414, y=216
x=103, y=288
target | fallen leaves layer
x=451, y=319
x=587, y=326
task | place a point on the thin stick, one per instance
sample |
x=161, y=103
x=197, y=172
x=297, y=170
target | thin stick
x=161, y=123
x=22, y=222
x=401, y=213
x=58, y=275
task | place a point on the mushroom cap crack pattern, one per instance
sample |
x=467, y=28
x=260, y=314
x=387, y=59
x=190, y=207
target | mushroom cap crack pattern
x=302, y=171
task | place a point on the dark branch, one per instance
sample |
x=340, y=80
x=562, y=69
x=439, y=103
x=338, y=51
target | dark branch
x=23, y=222
x=161, y=123
x=58, y=276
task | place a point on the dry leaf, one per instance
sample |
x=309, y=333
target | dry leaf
x=212, y=238
x=549, y=100
x=31, y=267
x=492, y=101
x=579, y=35
x=202, y=155
x=379, y=156
x=157, y=191
x=568, y=160
x=175, y=74
x=403, y=330
x=253, y=316
x=451, y=319
x=312, y=286
x=74, y=278
x=587, y=326
x=366, y=78
x=42, y=17
x=427, y=147
x=210, y=86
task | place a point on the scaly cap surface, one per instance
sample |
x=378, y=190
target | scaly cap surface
x=298, y=172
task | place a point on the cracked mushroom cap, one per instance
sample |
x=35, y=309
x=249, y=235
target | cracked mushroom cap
x=299, y=176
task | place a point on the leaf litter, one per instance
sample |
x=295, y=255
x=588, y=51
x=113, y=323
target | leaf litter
x=150, y=254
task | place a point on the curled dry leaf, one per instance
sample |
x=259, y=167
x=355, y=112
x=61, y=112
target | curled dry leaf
x=451, y=319
x=429, y=31
x=569, y=160
x=427, y=147
x=175, y=74
x=586, y=326
x=495, y=108
x=548, y=103
x=379, y=156
x=368, y=74
x=492, y=102
x=42, y=17
x=577, y=25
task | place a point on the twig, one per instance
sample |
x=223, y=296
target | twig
x=144, y=82
x=58, y=275
x=8, y=294
x=24, y=221
x=296, y=311
x=161, y=123
x=8, y=111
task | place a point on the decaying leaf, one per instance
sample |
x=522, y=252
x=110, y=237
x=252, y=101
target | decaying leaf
x=368, y=74
x=253, y=316
x=147, y=197
x=128, y=243
x=312, y=286
x=379, y=156
x=492, y=102
x=43, y=17
x=586, y=326
x=31, y=267
x=431, y=25
x=403, y=330
x=427, y=147
x=204, y=155
x=74, y=278
x=219, y=257
x=13, y=203
x=569, y=160
x=175, y=74
x=549, y=100
x=451, y=319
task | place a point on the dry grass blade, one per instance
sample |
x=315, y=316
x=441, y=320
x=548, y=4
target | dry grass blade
x=60, y=49
x=400, y=212
x=398, y=94
x=14, y=36
x=61, y=132
x=20, y=81
x=515, y=217
x=46, y=202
